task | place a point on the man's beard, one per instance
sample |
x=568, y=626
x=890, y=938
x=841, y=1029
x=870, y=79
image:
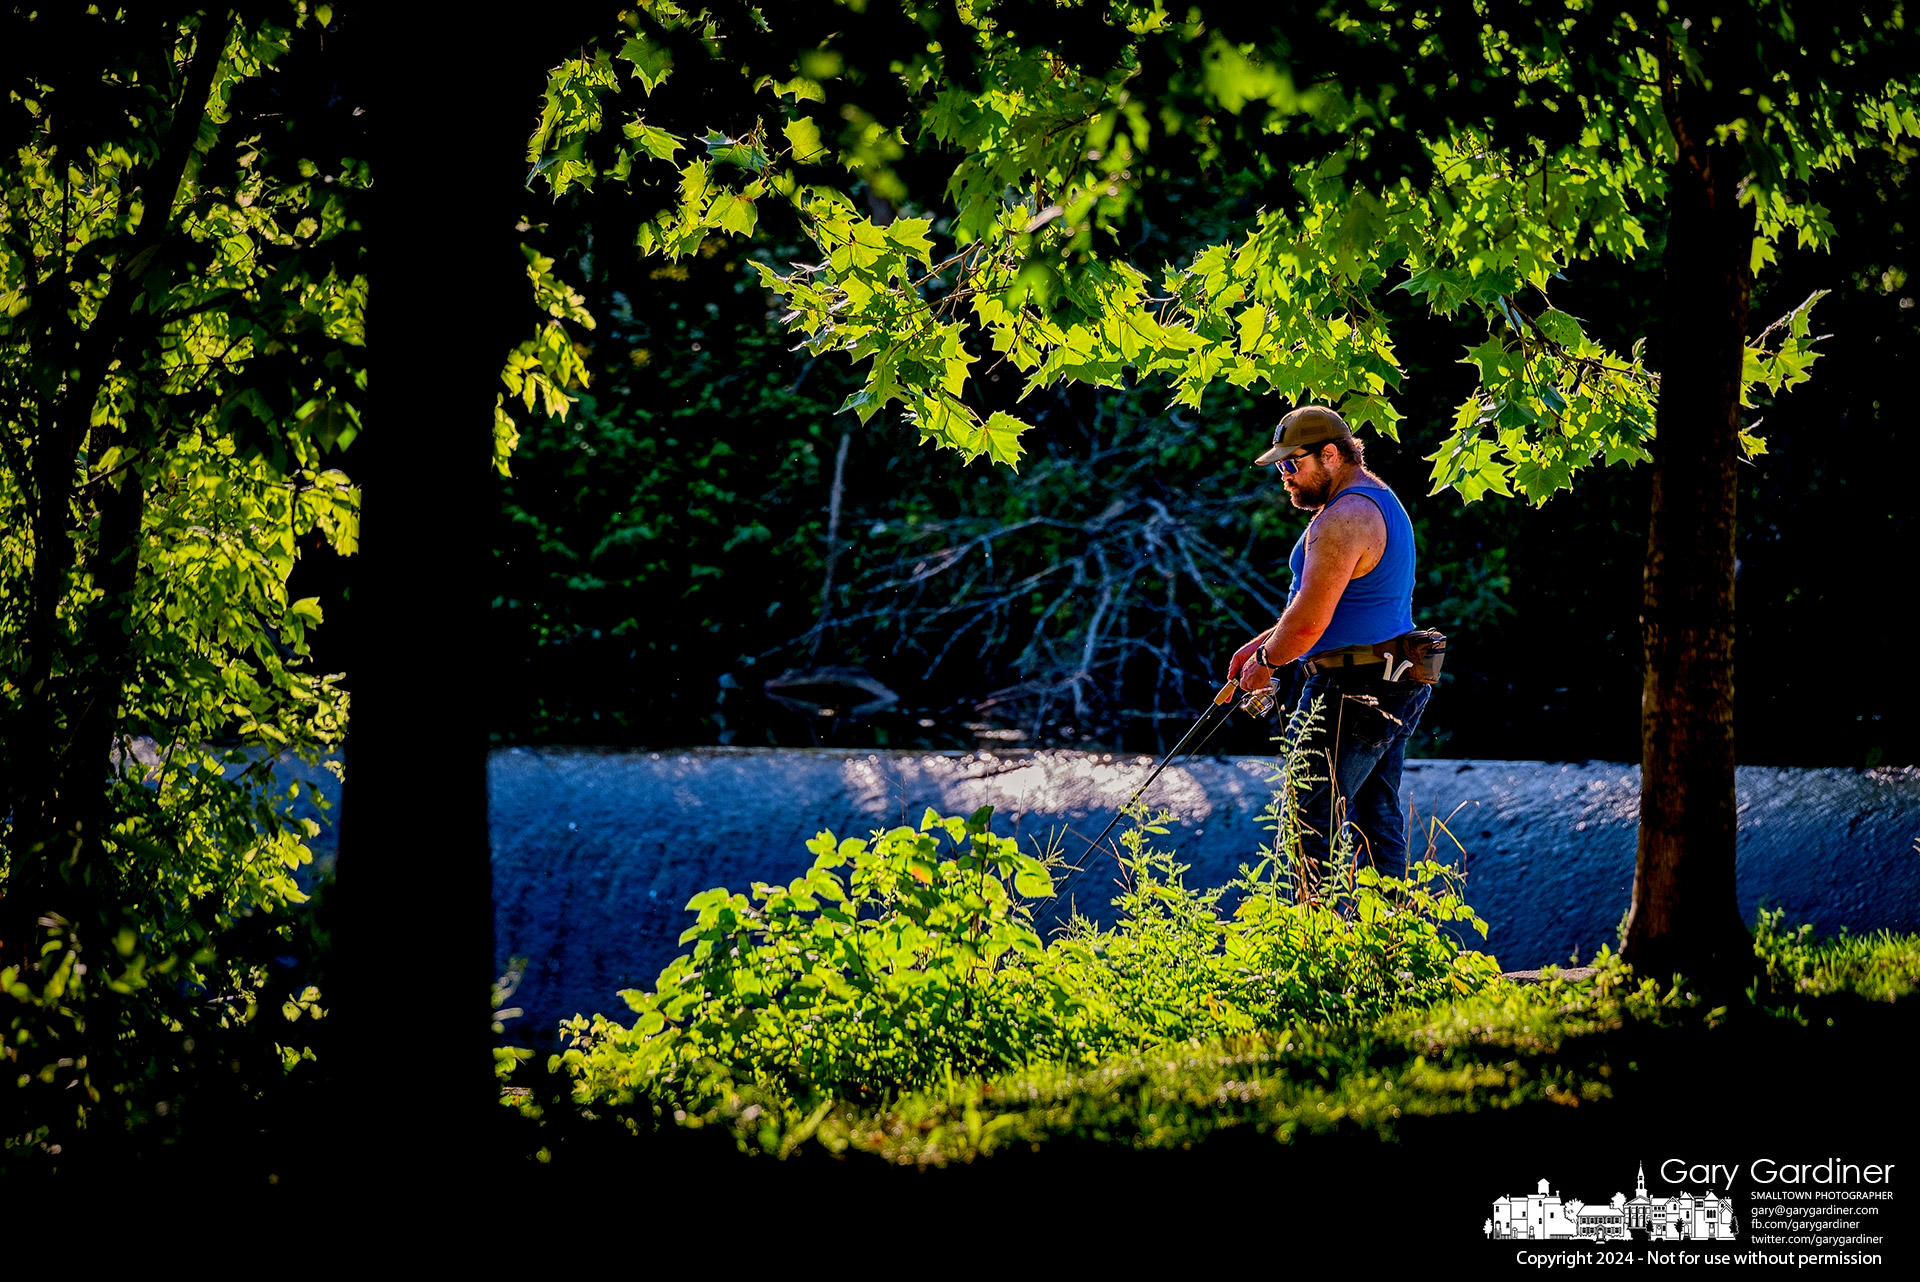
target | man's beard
x=1312, y=494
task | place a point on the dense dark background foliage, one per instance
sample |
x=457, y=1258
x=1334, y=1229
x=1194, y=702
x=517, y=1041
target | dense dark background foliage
x=662, y=552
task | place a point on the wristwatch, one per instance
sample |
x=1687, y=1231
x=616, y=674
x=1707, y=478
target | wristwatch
x=1260, y=655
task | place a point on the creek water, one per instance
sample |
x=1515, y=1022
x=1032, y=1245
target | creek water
x=595, y=853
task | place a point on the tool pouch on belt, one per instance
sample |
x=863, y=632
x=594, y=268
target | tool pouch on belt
x=1417, y=656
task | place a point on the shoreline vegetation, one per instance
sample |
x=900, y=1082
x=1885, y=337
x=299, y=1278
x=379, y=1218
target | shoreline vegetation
x=1559, y=1042
x=1563, y=1043
x=896, y=1002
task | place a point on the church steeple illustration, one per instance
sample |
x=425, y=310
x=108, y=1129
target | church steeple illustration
x=1544, y=1214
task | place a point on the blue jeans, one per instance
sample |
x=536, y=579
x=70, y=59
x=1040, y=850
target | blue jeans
x=1365, y=722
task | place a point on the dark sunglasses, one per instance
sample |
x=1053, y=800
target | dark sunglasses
x=1291, y=463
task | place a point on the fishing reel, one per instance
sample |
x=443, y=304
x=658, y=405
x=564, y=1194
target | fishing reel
x=1257, y=704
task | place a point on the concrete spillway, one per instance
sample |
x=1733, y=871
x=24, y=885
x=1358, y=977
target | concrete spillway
x=595, y=854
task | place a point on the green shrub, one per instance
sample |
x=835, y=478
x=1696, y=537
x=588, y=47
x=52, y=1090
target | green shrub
x=911, y=958
x=1561, y=1042
x=886, y=964
x=1506, y=1046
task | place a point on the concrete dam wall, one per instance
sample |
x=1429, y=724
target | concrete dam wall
x=595, y=854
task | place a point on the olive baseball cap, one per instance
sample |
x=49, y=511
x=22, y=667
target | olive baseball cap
x=1309, y=425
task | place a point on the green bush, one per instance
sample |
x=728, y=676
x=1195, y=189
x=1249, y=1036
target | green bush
x=1505, y=1046
x=1560, y=1042
x=911, y=958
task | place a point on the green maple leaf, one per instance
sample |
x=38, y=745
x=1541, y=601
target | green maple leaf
x=1490, y=357
x=803, y=135
x=650, y=62
x=1001, y=435
x=1537, y=478
x=657, y=143
x=729, y=151
x=737, y=214
x=1560, y=328
x=910, y=234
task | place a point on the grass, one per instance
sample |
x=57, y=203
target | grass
x=1558, y=1042
x=1881, y=966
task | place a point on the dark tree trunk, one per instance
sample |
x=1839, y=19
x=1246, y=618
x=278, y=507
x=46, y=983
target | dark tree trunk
x=413, y=916
x=1684, y=916
x=106, y=648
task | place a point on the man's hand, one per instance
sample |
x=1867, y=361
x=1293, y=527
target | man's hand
x=1246, y=669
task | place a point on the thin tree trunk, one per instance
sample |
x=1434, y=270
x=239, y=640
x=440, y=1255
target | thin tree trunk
x=1685, y=916
x=833, y=542
x=107, y=649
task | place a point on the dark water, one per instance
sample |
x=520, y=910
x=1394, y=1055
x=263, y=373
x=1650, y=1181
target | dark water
x=595, y=854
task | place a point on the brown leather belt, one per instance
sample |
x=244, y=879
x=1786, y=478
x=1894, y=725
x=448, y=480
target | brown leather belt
x=1429, y=649
x=1334, y=660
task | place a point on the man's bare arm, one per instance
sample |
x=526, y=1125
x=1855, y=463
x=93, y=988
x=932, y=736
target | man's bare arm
x=1338, y=540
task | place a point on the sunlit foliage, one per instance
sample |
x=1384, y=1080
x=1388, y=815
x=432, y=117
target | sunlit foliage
x=1556, y=156
x=182, y=319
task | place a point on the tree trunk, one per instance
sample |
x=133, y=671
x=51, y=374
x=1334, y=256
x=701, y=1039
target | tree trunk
x=1685, y=917
x=106, y=647
x=413, y=931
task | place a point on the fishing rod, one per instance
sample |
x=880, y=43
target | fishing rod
x=1259, y=703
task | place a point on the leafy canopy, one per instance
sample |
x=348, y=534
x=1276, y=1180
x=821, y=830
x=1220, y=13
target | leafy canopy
x=1467, y=154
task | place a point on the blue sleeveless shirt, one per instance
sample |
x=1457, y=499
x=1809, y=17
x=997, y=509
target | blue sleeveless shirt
x=1379, y=606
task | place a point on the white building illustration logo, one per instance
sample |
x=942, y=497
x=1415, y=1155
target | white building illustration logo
x=1685, y=1217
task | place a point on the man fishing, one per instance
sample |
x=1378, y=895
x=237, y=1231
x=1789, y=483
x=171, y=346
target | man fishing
x=1347, y=620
